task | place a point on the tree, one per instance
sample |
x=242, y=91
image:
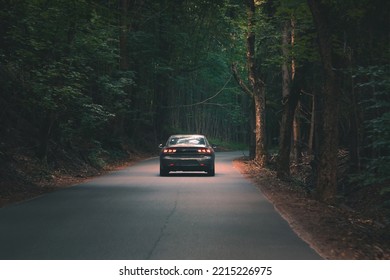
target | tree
x=290, y=100
x=257, y=86
x=326, y=160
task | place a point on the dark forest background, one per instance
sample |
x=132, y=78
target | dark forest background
x=91, y=81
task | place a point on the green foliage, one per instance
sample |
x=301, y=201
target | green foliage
x=95, y=155
x=224, y=145
x=52, y=56
x=375, y=83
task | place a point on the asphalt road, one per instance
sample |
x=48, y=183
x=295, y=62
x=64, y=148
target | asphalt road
x=136, y=214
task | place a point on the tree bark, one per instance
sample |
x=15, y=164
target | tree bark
x=258, y=87
x=286, y=129
x=289, y=100
x=45, y=135
x=312, y=123
x=326, y=178
x=297, y=148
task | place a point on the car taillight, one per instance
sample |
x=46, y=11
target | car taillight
x=204, y=151
x=169, y=151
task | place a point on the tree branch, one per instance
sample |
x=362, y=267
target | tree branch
x=236, y=76
x=205, y=100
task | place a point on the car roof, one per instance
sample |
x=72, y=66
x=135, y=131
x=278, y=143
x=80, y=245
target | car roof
x=186, y=135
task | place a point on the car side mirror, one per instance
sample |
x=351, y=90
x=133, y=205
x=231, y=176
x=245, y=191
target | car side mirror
x=161, y=146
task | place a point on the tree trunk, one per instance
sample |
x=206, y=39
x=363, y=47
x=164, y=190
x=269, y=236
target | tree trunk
x=258, y=90
x=355, y=133
x=326, y=178
x=289, y=100
x=297, y=148
x=286, y=128
x=261, y=154
x=252, y=132
x=45, y=135
x=312, y=123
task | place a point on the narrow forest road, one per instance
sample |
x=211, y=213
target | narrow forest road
x=136, y=214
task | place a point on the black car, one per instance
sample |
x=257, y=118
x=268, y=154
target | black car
x=187, y=152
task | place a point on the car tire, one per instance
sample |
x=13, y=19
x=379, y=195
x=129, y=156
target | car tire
x=211, y=171
x=163, y=171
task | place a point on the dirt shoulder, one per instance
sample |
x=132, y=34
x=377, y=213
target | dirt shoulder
x=335, y=233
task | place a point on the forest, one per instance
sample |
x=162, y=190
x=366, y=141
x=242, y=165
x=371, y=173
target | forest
x=304, y=84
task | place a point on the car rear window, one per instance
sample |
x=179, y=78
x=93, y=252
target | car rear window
x=187, y=140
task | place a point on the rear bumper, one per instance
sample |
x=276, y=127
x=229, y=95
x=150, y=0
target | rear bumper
x=187, y=164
